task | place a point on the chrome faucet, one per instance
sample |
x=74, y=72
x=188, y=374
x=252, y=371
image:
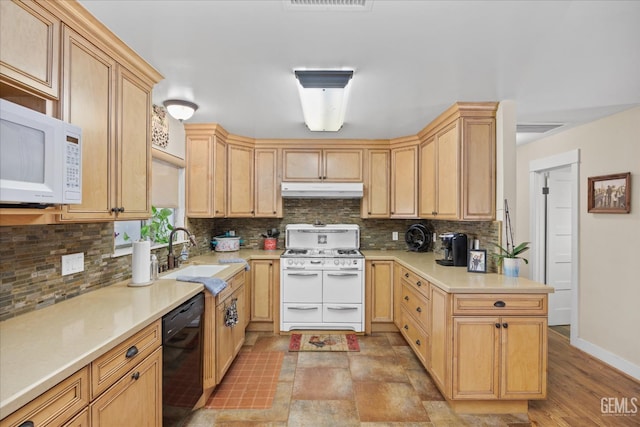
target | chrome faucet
x=171, y=258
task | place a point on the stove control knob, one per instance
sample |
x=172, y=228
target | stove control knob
x=290, y=261
x=336, y=262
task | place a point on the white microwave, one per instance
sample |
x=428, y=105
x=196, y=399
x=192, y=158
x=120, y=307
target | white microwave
x=40, y=158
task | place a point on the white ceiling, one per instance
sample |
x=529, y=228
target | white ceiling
x=560, y=61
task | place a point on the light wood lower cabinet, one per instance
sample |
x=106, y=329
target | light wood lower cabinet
x=489, y=351
x=229, y=339
x=136, y=399
x=499, y=357
x=380, y=294
x=56, y=407
x=265, y=283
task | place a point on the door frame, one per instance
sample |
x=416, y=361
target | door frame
x=537, y=169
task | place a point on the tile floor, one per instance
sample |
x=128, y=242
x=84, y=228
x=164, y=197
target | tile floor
x=382, y=385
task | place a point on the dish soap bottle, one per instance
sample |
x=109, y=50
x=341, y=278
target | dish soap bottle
x=184, y=255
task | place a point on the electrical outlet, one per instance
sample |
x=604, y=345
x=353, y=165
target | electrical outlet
x=434, y=237
x=394, y=235
x=73, y=263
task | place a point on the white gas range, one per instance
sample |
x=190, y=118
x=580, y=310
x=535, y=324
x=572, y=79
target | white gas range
x=322, y=278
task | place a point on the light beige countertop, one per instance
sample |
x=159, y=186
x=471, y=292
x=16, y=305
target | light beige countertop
x=458, y=279
x=41, y=348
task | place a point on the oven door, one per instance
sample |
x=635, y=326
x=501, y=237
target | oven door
x=342, y=287
x=302, y=286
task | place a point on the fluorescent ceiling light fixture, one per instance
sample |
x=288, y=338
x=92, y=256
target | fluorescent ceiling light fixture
x=323, y=94
x=179, y=109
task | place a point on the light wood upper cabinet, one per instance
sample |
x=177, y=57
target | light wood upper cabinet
x=112, y=105
x=330, y=165
x=375, y=202
x=30, y=47
x=457, y=164
x=206, y=170
x=267, y=199
x=240, y=192
x=404, y=182
x=89, y=78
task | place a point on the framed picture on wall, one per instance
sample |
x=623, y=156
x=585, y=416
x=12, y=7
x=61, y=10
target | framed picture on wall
x=609, y=193
x=477, y=261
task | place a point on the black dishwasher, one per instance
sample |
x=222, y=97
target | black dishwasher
x=182, y=360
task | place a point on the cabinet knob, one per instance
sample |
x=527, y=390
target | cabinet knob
x=368, y=213
x=135, y=375
x=505, y=325
x=406, y=274
x=114, y=210
x=418, y=342
x=27, y=424
x=406, y=327
x=133, y=350
x=406, y=297
x=434, y=213
x=499, y=304
x=419, y=310
x=498, y=325
x=419, y=283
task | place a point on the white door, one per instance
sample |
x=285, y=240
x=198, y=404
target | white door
x=558, y=254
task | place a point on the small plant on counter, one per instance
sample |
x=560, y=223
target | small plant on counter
x=511, y=251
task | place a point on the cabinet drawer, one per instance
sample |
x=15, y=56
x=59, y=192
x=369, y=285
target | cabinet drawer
x=416, y=304
x=341, y=313
x=293, y=312
x=57, y=405
x=232, y=285
x=417, y=282
x=111, y=366
x=499, y=304
x=415, y=336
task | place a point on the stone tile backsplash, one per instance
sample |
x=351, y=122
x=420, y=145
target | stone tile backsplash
x=30, y=272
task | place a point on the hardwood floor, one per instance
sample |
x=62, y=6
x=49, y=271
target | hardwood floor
x=576, y=384
x=562, y=329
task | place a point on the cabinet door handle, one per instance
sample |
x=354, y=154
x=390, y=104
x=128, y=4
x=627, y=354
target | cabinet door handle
x=418, y=309
x=498, y=325
x=406, y=297
x=505, y=325
x=135, y=375
x=418, y=342
x=133, y=350
x=499, y=304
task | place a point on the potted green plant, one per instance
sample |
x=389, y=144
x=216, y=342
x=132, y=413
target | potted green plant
x=158, y=228
x=509, y=256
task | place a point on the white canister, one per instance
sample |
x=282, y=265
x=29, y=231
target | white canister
x=227, y=244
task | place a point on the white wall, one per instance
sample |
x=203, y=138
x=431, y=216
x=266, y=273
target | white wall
x=609, y=244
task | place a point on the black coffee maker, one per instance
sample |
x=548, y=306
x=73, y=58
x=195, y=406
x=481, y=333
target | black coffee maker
x=455, y=249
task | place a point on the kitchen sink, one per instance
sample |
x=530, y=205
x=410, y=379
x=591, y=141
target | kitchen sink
x=202, y=270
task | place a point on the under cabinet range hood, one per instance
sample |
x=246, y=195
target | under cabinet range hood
x=322, y=190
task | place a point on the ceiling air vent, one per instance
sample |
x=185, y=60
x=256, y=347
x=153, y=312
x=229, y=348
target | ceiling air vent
x=537, y=127
x=331, y=5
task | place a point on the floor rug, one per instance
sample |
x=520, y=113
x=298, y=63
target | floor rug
x=324, y=342
x=250, y=382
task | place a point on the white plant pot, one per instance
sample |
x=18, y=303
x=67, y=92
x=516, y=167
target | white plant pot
x=511, y=267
